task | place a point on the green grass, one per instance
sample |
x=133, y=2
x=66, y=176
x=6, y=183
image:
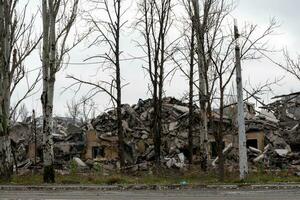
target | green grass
x=273, y=177
x=164, y=177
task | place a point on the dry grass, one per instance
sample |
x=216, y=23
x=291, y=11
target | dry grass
x=161, y=177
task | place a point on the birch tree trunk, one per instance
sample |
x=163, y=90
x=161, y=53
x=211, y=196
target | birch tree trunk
x=54, y=51
x=48, y=89
x=202, y=85
x=6, y=161
x=14, y=49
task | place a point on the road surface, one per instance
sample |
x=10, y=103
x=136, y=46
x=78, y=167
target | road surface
x=157, y=195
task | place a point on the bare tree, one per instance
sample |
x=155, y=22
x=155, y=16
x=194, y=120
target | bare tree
x=108, y=33
x=57, y=24
x=88, y=109
x=200, y=27
x=16, y=44
x=184, y=59
x=292, y=65
x=208, y=19
x=204, y=25
x=83, y=109
x=23, y=113
x=20, y=115
x=30, y=91
x=251, y=43
x=154, y=24
x=191, y=88
x=73, y=110
x=213, y=39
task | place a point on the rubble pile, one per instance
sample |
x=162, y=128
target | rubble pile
x=69, y=142
x=286, y=137
x=275, y=154
x=139, y=146
x=27, y=137
x=287, y=110
x=20, y=135
x=272, y=139
x=274, y=151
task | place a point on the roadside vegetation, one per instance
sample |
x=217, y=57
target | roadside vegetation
x=189, y=178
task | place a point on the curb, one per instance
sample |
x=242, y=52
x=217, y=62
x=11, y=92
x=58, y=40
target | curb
x=147, y=187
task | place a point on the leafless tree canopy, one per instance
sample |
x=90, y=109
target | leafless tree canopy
x=107, y=32
x=82, y=110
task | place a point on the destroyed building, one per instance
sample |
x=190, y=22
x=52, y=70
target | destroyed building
x=266, y=142
x=26, y=137
x=260, y=132
x=139, y=145
x=286, y=108
x=272, y=136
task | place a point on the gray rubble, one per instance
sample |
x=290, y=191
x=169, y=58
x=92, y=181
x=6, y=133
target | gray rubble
x=94, y=145
x=69, y=142
x=139, y=146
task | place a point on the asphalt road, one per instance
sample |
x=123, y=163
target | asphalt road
x=157, y=195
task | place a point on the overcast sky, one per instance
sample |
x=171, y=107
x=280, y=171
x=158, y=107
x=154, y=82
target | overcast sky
x=252, y=11
x=286, y=12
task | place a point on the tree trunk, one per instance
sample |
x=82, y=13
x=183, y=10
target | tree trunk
x=219, y=138
x=156, y=106
x=157, y=21
x=120, y=134
x=119, y=89
x=220, y=146
x=155, y=128
x=202, y=86
x=49, y=174
x=159, y=111
x=160, y=90
x=49, y=51
x=191, y=96
x=6, y=158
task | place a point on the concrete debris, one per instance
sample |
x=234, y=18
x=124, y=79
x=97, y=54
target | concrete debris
x=273, y=134
x=225, y=151
x=282, y=152
x=257, y=151
x=259, y=158
x=177, y=162
x=139, y=145
x=273, y=137
x=68, y=137
x=287, y=111
x=79, y=162
x=297, y=173
x=171, y=162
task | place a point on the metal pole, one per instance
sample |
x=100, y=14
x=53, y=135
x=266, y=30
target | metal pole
x=240, y=118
